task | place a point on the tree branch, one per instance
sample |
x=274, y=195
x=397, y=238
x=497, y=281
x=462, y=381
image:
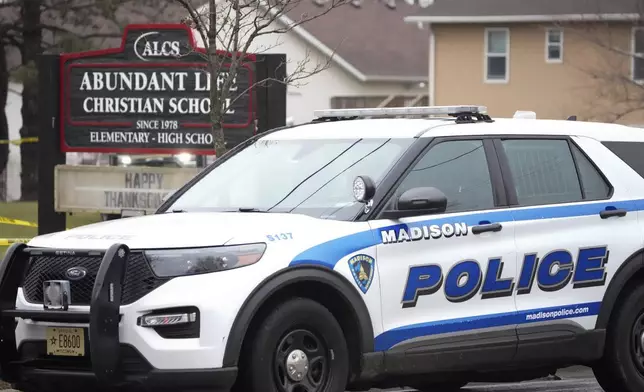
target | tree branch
x=232, y=27
x=197, y=21
x=613, y=94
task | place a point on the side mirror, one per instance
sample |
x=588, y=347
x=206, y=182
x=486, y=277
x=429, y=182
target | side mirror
x=418, y=201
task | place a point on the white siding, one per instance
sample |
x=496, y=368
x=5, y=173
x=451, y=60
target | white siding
x=315, y=92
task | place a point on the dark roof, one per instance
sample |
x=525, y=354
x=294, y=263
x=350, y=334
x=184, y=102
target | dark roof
x=374, y=38
x=483, y=8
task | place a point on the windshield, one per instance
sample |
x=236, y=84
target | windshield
x=312, y=177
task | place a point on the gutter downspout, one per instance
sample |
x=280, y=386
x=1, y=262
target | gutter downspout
x=432, y=66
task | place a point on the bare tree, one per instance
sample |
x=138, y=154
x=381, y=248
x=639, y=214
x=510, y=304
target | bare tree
x=228, y=29
x=37, y=26
x=611, y=67
x=4, y=91
x=8, y=43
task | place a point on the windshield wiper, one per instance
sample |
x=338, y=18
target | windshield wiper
x=249, y=209
x=240, y=209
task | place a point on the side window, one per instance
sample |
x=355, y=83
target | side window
x=593, y=184
x=630, y=153
x=458, y=169
x=543, y=171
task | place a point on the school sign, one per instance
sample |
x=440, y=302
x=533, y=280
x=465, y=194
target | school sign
x=151, y=95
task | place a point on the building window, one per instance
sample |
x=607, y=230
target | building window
x=497, y=55
x=637, y=44
x=554, y=46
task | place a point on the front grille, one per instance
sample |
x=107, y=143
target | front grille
x=34, y=354
x=139, y=278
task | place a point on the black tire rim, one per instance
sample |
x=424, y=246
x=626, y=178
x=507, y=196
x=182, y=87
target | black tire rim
x=637, y=346
x=301, y=362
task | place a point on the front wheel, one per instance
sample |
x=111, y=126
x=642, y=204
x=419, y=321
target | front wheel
x=300, y=347
x=622, y=367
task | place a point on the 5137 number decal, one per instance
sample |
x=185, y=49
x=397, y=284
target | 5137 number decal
x=280, y=236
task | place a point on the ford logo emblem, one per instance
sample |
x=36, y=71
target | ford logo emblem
x=76, y=273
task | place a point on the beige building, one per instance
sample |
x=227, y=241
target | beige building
x=555, y=57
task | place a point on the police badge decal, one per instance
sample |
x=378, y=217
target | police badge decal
x=362, y=269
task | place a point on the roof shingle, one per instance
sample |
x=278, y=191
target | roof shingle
x=482, y=8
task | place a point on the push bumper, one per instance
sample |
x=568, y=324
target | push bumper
x=108, y=363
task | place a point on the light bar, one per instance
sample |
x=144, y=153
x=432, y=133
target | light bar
x=402, y=111
x=155, y=320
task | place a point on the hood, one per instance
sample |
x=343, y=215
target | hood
x=173, y=230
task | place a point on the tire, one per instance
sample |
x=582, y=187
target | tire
x=621, y=369
x=304, y=325
x=442, y=387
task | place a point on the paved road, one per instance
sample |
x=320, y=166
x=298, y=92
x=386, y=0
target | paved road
x=576, y=379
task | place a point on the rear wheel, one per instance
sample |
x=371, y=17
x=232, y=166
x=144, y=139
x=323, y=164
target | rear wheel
x=300, y=347
x=622, y=367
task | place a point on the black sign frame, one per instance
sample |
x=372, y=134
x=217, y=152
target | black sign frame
x=80, y=135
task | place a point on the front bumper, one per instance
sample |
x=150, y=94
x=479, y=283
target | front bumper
x=110, y=362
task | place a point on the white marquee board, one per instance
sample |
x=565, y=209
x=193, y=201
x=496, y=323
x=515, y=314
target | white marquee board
x=114, y=189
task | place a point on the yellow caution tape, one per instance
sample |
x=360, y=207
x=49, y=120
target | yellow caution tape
x=16, y=222
x=9, y=241
x=18, y=142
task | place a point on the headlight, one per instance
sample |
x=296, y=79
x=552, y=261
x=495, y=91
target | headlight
x=184, y=158
x=125, y=160
x=194, y=261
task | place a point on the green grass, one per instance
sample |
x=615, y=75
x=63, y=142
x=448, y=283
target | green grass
x=28, y=211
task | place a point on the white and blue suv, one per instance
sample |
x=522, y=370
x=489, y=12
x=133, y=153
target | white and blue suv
x=421, y=247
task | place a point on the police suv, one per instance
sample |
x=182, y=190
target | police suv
x=419, y=247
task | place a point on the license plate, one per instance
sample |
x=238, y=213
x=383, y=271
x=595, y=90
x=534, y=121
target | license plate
x=69, y=342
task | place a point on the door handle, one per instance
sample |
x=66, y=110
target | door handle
x=487, y=227
x=612, y=212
